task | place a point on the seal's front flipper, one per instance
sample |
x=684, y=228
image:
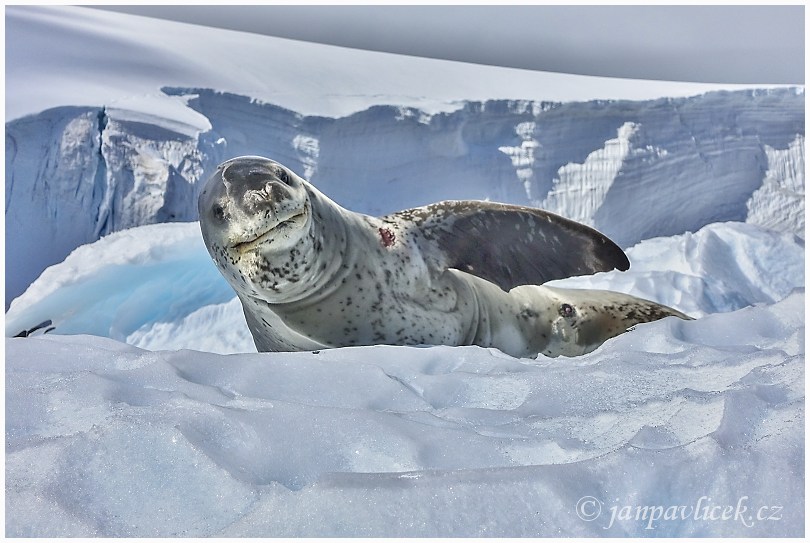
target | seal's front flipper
x=510, y=245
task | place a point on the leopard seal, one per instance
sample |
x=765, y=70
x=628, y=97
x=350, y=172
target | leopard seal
x=312, y=275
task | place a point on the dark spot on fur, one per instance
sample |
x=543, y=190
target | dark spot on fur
x=527, y=314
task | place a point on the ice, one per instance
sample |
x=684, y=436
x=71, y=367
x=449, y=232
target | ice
x=153, y=275
x=777, y=202
x=580, y=189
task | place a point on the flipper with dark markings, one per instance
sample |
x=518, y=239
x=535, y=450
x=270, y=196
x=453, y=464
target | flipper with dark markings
x=510, y=245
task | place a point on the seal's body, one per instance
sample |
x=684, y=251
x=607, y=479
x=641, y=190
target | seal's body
x=311, y=274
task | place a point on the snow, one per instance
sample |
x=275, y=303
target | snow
x=147, y=411
x=102, y=58
x=720, y=268
x=171, y=439
x=108, y=439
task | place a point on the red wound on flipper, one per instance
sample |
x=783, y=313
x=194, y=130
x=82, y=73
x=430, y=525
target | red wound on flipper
x=387, y=237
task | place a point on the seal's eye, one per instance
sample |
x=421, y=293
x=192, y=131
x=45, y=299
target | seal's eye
x=283, y=176
x=566, y=310
x=219, y=212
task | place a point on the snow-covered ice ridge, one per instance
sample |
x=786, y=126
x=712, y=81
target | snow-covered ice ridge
x=633, y=169
x=689, y=418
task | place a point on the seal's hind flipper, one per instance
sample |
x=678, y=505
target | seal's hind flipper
x=510, y=245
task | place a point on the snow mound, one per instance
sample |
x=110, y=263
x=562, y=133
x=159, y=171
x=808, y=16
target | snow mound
x=721, y=267
x=155, y=286
x=105, y=439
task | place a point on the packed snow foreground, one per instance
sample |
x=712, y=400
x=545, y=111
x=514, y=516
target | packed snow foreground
x=675, y=428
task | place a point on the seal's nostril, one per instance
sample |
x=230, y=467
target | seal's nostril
x=278, y=192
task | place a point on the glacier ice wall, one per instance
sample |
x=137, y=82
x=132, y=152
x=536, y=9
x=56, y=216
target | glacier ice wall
x=53, y=192
x=779, y=202
x=634, y=170
x=74, y=175
x=580, y=189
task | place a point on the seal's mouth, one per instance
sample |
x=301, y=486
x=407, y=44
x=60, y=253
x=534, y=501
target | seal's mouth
x=296, y=221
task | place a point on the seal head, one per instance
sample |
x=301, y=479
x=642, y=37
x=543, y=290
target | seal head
x=252, y=211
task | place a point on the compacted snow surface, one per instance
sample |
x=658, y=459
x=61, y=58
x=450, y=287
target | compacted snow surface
x=147, y=412
x=105, y=438
x=108, y=439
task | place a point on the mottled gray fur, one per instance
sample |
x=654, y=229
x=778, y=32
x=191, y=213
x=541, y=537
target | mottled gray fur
x=313, y=275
